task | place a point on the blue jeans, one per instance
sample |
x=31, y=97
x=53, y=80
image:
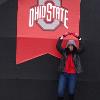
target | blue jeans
x=67, y=81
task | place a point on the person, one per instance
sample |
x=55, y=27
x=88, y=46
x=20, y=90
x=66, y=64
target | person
x=70, y=65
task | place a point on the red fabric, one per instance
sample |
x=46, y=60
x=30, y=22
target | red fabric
x=70, y=67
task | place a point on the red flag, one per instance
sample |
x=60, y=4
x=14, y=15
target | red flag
x=40, y=23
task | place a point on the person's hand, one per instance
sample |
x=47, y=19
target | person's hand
x=62, y=37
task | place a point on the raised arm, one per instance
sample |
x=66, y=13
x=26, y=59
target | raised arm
x=81, y=42
x=58, y=45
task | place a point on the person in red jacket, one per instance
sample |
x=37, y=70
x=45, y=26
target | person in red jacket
x=69, y=67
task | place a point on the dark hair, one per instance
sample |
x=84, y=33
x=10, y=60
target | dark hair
x=68, y=50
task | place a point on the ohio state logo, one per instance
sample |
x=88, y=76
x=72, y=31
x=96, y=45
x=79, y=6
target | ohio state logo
x=48, y=14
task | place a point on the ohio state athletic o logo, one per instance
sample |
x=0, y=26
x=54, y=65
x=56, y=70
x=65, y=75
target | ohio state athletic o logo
x=48, y=14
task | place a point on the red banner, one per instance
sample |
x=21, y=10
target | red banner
x=40, y=23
